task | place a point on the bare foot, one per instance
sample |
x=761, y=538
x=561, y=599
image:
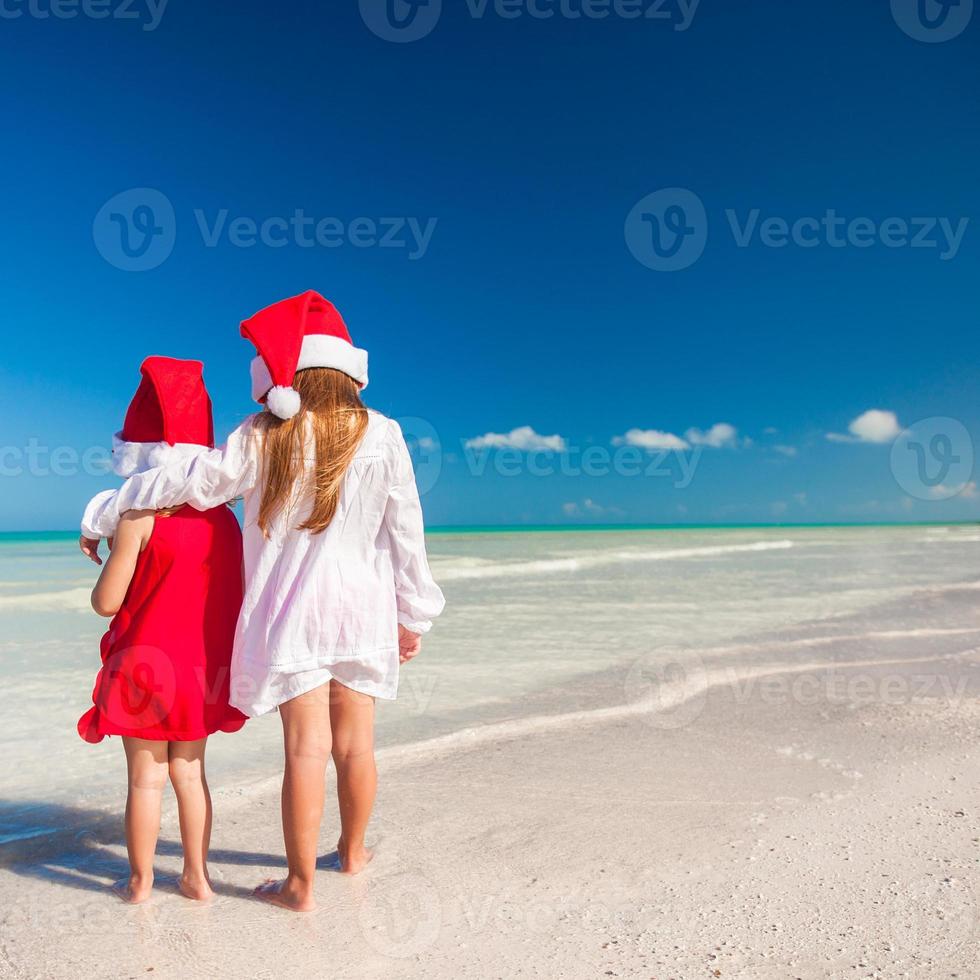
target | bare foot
x=286, y=895
x=134, y=889
x=353, y=860
x=195, y=887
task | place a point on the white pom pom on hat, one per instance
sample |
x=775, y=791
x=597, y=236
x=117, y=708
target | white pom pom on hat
x=282, y=401
x=297, y=333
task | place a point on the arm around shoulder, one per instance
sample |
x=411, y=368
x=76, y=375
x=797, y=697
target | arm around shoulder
x=205, y=480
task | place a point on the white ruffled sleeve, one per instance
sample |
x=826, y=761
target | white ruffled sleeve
x=206, y=480
x=419, y=599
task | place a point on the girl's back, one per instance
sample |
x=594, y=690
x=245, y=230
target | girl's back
x=167, y=653
x=333, y=599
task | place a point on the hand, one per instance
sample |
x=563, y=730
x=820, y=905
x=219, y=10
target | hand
x=409, y=644
x=90, y=548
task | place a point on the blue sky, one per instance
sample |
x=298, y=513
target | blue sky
x=487, y=196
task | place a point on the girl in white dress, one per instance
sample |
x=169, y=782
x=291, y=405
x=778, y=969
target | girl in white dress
x=338, y=590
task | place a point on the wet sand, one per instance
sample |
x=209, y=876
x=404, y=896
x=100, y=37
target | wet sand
x=813, y=818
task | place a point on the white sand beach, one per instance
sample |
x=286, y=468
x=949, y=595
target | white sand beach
x=794, y=798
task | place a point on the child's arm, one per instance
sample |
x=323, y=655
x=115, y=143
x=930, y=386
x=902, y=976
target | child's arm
x=419, y=599
x=206, y=480
x=134, y=531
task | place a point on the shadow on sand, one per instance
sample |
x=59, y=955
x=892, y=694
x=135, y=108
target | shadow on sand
x=85, y=848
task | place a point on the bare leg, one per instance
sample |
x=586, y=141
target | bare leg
x=146, y=763
x=352, y=727
x=194, y=808
x=306, y=734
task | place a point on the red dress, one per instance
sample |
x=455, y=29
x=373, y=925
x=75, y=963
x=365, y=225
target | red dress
x=166, y=658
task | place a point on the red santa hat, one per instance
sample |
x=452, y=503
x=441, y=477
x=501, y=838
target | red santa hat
x=170, y=414
x=304, y=331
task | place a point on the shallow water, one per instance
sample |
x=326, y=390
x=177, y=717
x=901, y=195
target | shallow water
x=529, y=615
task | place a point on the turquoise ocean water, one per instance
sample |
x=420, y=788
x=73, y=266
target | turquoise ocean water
x=535, y=622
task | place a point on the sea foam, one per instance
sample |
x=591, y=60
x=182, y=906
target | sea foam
x=450, y=570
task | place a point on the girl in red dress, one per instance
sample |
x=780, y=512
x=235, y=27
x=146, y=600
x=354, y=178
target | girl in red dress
x=173, y=587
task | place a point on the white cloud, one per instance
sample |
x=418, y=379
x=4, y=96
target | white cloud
x=874, y=425
x=588, y=506
x=427, y=442
x=944, y=492
x=721, y=435
x=786, y=450
x=651, y=439
x=523, y=437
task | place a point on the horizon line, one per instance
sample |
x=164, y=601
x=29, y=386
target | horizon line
x=556, y=527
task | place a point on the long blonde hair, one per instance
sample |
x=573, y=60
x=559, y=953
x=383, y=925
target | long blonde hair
x=332, y=402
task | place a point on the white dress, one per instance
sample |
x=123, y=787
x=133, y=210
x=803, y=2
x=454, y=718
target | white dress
x=317, y=606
